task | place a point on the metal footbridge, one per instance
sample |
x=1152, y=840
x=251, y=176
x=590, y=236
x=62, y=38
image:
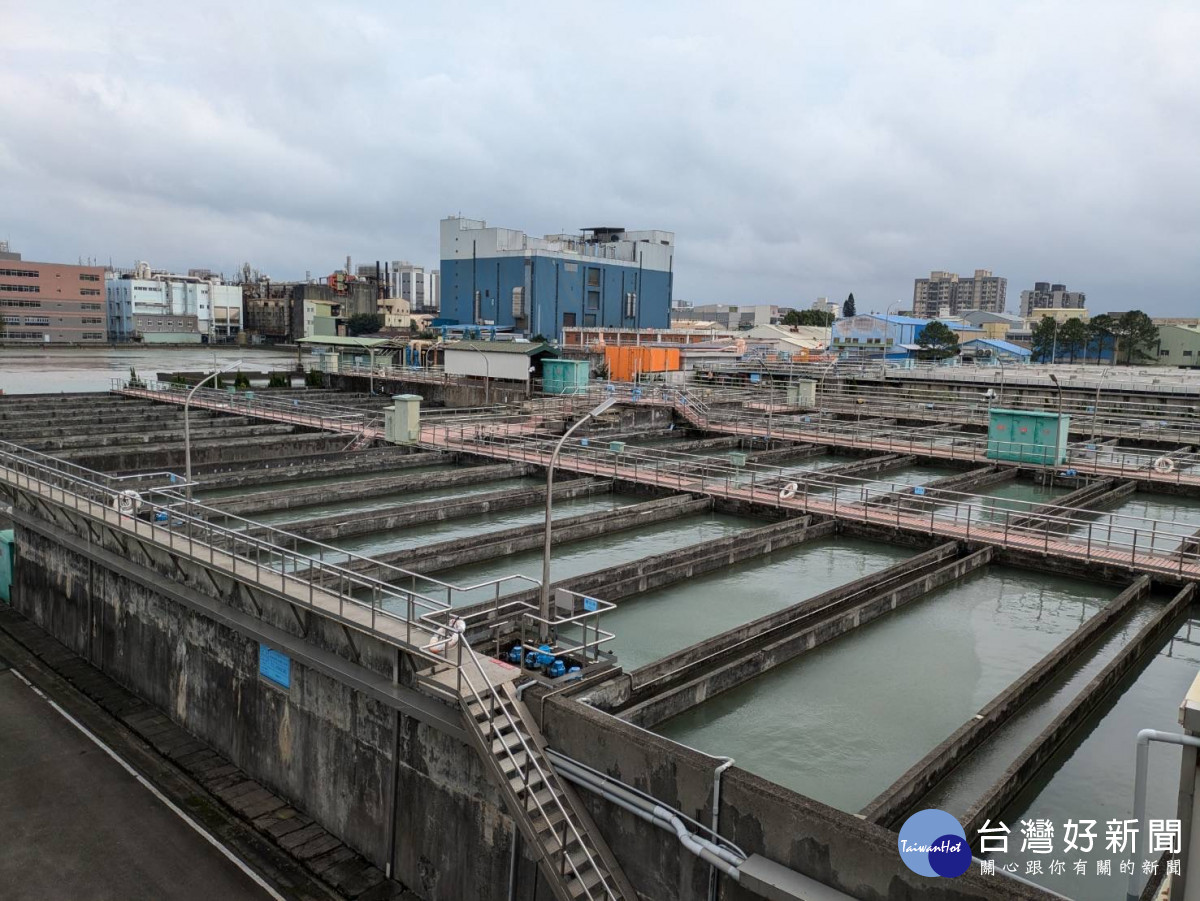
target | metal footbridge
x=527, y=434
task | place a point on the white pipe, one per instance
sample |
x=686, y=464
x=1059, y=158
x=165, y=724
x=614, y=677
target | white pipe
x=1139, y=784
x=721, y=858
x=726, y=763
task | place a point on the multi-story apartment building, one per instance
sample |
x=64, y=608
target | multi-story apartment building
x=50, y=303
x=1046, y=296
x=949, y=294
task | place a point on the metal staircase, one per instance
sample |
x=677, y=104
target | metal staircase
x=691, y=408
x=361, y=442
x=572, y=857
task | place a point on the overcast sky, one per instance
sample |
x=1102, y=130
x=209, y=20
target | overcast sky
x=796, y=149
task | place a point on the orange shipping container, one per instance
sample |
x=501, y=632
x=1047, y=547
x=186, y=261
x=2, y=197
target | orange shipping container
x=625, y=363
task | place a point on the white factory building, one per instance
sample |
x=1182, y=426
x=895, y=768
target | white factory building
x=159, y=307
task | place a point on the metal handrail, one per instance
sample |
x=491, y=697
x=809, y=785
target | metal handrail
x=307, y=413
x=331, y=566
x=531, y=759
x=1127, y=420
x=187, y=520
x=1163, y=547
x=814, y=427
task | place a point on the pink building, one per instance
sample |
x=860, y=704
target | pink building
x=50, y=303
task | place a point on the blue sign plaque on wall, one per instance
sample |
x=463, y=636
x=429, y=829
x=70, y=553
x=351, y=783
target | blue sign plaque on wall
x=274, y=666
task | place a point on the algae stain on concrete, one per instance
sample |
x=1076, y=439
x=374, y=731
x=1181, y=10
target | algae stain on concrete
x=181, y=687
x=285, y=735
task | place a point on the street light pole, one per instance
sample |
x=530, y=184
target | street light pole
x=1058, y=424
x=820, y=398
x=1096, y=402
x=886, y=330
x=187, y=425
x=544, y=605
x=487, y=376
x=371, y=375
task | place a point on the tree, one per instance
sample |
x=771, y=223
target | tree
x=848, y=307
x=1102, y=328
x=937, y=341
x=363, y=324
x=820, y=318
x=1137, y=333
x=1073, y=337
x=1042, y=339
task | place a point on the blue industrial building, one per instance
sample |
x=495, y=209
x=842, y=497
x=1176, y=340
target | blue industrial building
x=605, y=277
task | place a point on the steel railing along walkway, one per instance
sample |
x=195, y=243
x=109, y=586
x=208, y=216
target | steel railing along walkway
x=1087, y=535
x=572, y=857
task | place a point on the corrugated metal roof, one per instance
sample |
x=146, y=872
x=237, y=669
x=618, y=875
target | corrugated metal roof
x=343, y=341
x=501, y=347
x=912, y=320
x=1005, y=346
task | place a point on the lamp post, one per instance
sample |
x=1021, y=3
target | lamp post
x=487, y=376
x=187, y=428
x=886, y=330
x=544, y=605
x=1096, y=402
x=821, y=389
x=370, y=349
x=1058, y=424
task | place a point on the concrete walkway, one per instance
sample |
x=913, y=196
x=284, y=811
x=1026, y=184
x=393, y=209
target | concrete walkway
x=76, y=824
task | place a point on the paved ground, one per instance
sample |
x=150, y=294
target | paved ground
x=75, y=824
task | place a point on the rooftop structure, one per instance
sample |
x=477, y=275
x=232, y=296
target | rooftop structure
x=786, y=337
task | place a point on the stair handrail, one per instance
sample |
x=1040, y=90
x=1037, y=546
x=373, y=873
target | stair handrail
x=530, y=758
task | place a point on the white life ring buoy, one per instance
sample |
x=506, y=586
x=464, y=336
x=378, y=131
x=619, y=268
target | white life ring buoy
x=447, y=639
x=788, y=491
x=127, y=502
x=1164, y=465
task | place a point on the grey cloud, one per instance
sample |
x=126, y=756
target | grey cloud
x=795, y=148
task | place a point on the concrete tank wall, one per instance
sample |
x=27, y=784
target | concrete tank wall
x=341, y=756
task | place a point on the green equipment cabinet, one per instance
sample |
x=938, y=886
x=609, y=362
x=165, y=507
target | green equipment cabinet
x=1026, y=436
x=8, y=550
x=565, y=376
